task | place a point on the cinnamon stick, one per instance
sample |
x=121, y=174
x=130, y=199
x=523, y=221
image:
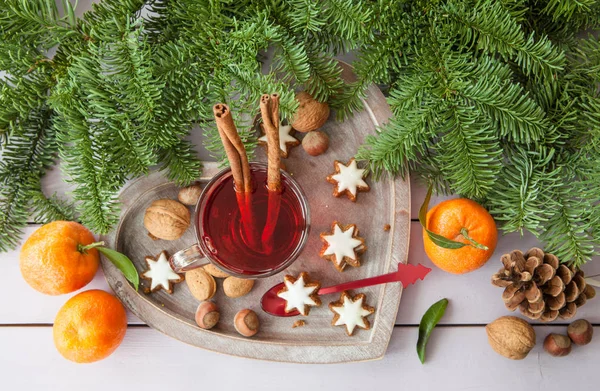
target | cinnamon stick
x=224, y=121
x=268, y=105
x=269, y=108
x=232, y=154
x=240, y=169
x=275, y=111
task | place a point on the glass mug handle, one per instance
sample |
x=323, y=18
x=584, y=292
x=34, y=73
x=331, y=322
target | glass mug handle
x=188, y=259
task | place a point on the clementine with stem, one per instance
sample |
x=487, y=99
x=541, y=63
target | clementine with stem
x=55, y=259
x=465, y=221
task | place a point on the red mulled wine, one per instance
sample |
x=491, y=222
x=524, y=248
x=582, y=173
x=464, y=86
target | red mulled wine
x=225, y=237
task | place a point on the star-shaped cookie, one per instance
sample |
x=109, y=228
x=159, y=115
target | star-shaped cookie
x=160, y=273
x=342, y=246
x=300, y=293
x=351, y=312
x=286, y=140
x=348, y=180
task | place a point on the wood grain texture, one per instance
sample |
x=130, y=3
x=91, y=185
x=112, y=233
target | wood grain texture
x=458, y=358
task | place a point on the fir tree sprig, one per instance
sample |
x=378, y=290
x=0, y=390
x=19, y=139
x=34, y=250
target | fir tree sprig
x=495, y=100
x=130, y=79
x=508, y=116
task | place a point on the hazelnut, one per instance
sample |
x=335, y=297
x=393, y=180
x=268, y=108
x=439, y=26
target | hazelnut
x=246, y=322
x=190, y=195
x=580, y=332
x=207, y=315
x=557, y=345
x=311, y=115
x=315, y=143
x=167, y=219
x=511, y=337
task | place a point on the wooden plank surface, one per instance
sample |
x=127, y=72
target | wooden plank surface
x=458, y=358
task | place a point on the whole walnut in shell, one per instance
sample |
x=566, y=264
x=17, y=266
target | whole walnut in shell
x=311, y=115
x=511, y=337
x=167, y=219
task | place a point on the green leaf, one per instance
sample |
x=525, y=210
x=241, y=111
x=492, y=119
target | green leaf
x=428, y=322
x=464, y=232
x=123, y=263
x=439, y=240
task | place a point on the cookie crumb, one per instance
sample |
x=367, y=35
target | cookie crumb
x=299, y=323
x=387, y=227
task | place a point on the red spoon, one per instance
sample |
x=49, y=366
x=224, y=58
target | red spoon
x=406, y=274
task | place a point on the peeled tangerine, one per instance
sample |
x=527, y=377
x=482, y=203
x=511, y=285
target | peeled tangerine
x=511, y=337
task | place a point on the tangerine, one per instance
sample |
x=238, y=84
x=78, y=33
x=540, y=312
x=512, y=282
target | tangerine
x=90, y=326
x=448, y=218
x=53, y=260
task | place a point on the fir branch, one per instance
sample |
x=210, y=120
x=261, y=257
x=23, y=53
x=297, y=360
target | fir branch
x=473, y=166
x=46, y=209
x=493, y=29
x=24, y=161
x=86, y=163
x=559, y=9
x=325, y=80
x=517, y=116
x=36, y=22
x=520, y=197
x=373, y=65
x=181, y=162
x=304, y=16
x=351, y=18
x=568, y=234
x=291, y=61
x=401, y=140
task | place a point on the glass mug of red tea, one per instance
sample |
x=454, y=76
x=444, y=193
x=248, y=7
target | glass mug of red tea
x=223, y=237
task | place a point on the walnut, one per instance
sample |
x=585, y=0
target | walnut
x=167, y=219
x=511, y=337
x=311, y=115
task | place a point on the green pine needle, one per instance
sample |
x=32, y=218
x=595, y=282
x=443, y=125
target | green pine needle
x=496, y=100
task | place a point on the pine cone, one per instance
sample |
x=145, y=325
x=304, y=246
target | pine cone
x=541, y=287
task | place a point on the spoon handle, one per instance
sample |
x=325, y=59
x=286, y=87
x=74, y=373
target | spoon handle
x=407, y=274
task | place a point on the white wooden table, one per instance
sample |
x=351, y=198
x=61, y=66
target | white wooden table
x=458, y=355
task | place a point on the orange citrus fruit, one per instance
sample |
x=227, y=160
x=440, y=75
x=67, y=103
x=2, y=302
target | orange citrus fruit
x=52, y=261
x=447, y=219
x=90, y=326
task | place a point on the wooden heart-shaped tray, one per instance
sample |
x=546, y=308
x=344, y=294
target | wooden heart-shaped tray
x=388, y=202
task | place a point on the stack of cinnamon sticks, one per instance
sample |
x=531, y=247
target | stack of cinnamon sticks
x=240, y=167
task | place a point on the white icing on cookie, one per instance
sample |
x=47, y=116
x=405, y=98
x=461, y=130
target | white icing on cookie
x=160, y=272
x=297, y=296
x=349, y=178
x=341, y=244
x=284, y=137
x=351, y=314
